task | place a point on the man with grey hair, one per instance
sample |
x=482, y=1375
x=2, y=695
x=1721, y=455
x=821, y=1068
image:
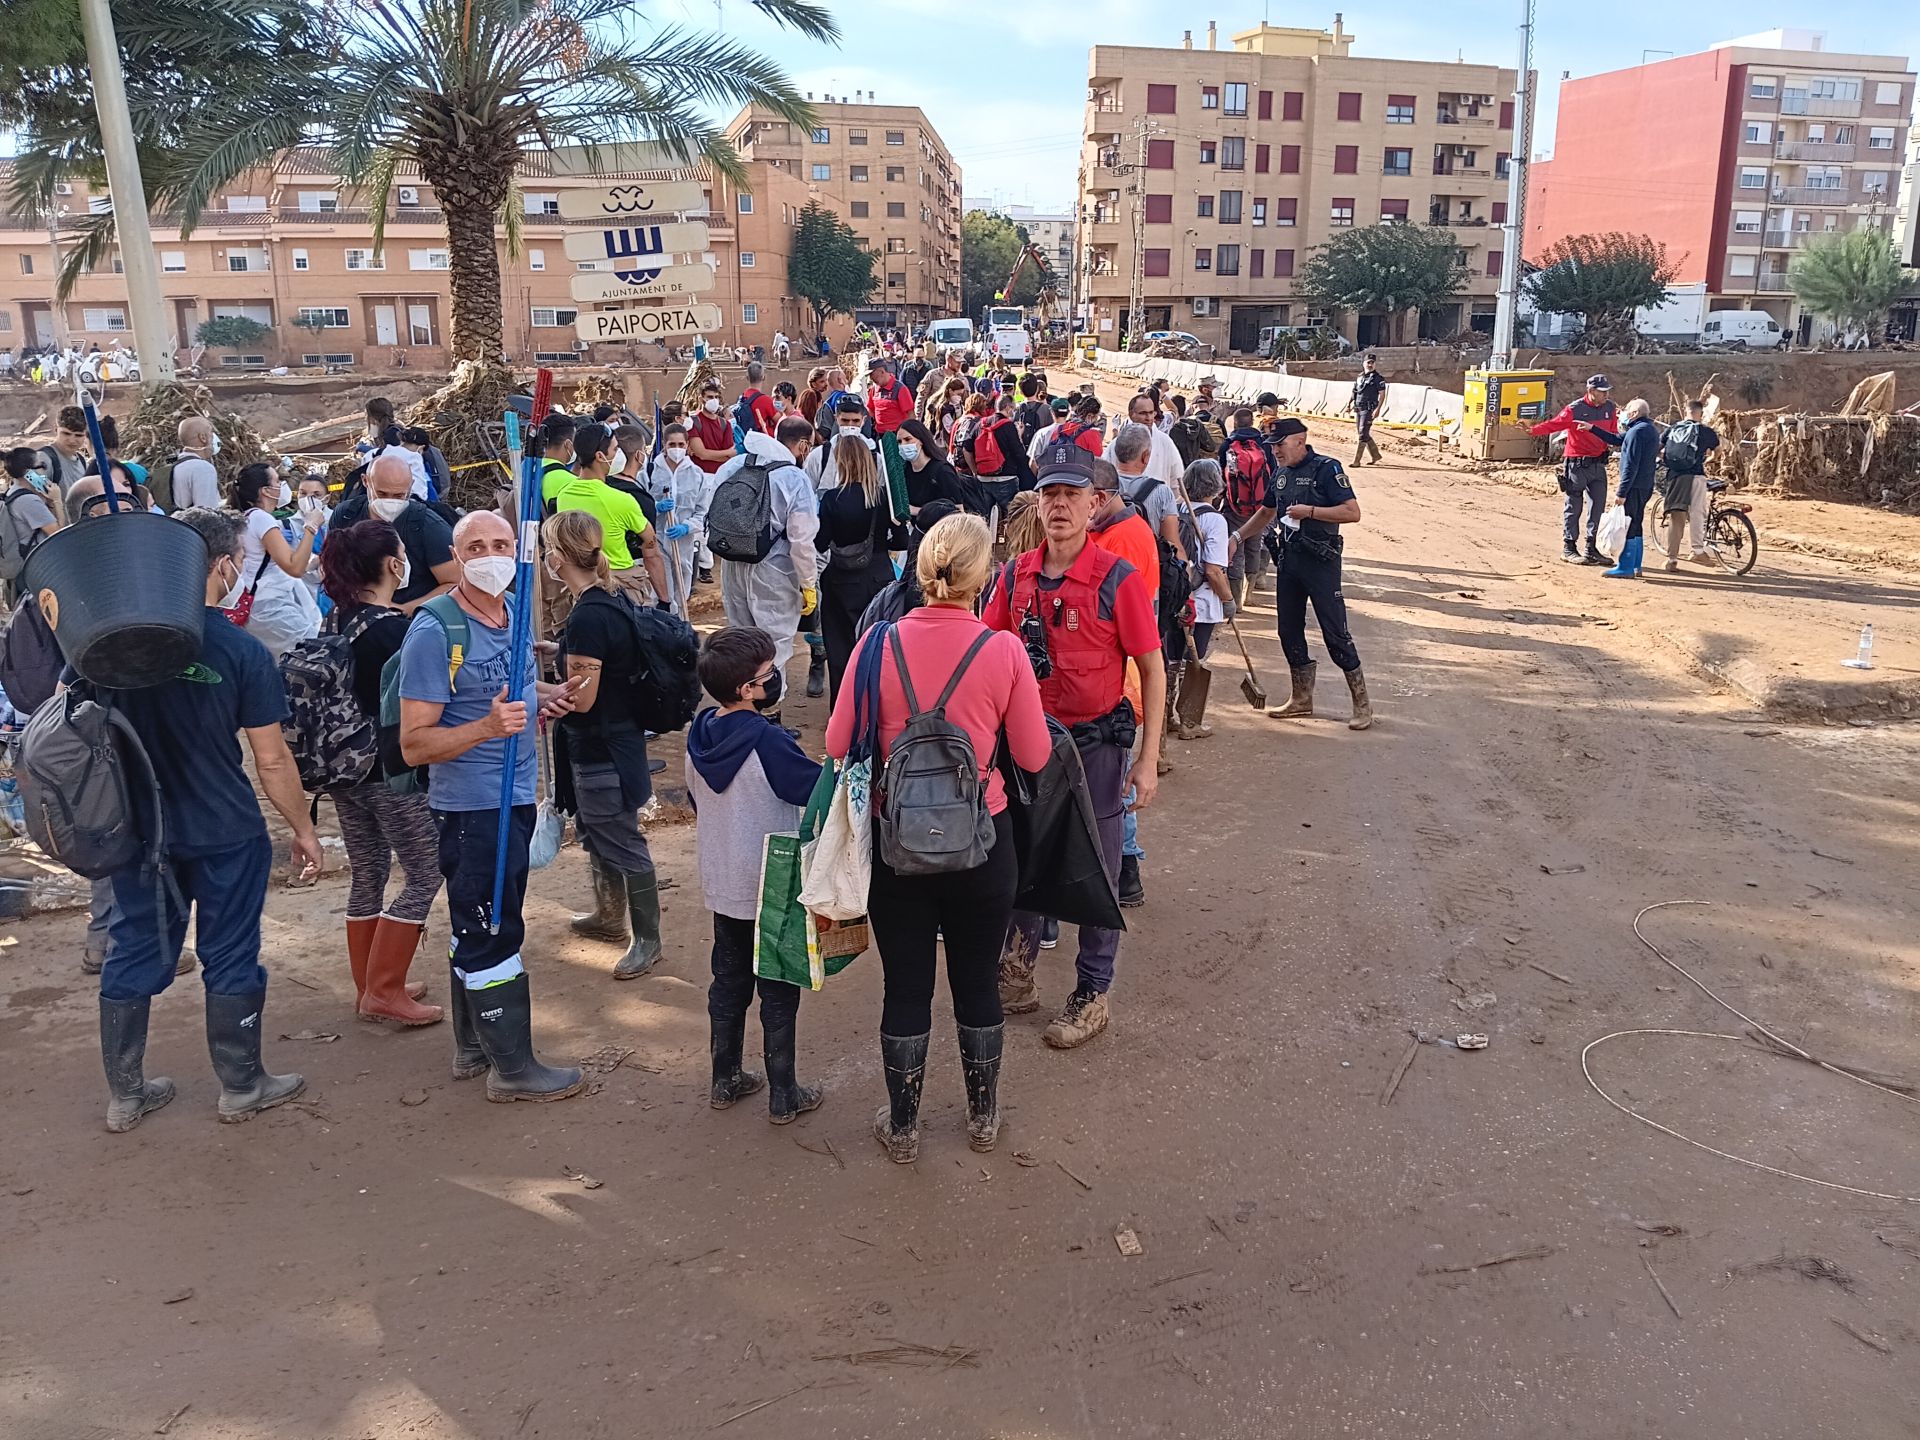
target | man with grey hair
x=755, y=410
x=195, y=482
x=1639, y=442
x=1159, y=506
x=218, y=854
x=1163, y=460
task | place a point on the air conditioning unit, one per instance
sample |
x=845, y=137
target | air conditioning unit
x=1202, y=305
x=410, y=195
x=63, y=188
x=1465, y=99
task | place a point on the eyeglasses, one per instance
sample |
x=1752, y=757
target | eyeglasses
x=767, y=678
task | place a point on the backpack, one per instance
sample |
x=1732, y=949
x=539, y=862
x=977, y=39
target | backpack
x=1682, y=448
x=1185, y=557
x=663, y=694
x=740, y=515
x=931, y=807
x=30, y=658
x=88, y=785
x=16, y=539
x=1193, y=440
x=743, y=417
x=1249, y=472
x=1081, y=433
x=404, y=779
x=334, y=742
x=987, y=455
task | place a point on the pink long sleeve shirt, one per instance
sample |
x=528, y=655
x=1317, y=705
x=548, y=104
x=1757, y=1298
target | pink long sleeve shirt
x=998, y=687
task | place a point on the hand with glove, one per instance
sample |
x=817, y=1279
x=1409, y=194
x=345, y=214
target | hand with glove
x=664, y=505
x=809, y=599
x=677, y=532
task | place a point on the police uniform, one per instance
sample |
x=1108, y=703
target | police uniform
x=1310, y=562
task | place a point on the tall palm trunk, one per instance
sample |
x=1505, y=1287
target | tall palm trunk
x=472, y=184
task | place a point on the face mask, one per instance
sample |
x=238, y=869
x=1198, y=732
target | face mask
x=286, y=494
x=387, y=509
x=406, y=571
x=909, y=451
x=215, y=442
x=769, y=697
x=711, y=406
x=849, y=430
x=618, y=464
x=676, y=453
x=491, y=574
x=38, y=481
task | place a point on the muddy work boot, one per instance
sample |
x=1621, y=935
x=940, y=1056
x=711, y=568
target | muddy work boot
x=787, y=1098
x=1593, y=556
x=1362, y=706
x=233, y=1041
x=1085, y=1016
x=123, y=1053
x=608, y=918
x=642, y=894
x=730, y=1083
x=469, y=1059
x=1017, y=994
x=897, y=1123
x=503, y=1019
x=1300, y=705
x=980, y=1048
x=817, y=675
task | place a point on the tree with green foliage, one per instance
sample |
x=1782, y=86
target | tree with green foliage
x=829, y=268
x=989, y=246
x=1849, y=279
x=231, y=332
x=1603, y=279
x=1383, y=269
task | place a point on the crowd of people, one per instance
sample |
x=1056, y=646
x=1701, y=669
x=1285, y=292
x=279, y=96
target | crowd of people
x=949, y=537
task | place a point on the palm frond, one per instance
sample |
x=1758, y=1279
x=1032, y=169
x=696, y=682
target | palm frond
x=816, y=22
x=513, y=217
x=87, y=246
x=377, y=183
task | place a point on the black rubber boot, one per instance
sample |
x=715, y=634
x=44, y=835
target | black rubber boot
x=1132, y=891
x=787, y=1098
x=469, y=1059
x=608, y=918
x=897, y=1125
x=123, y=1051
x=503, y=1019
x=817, y=674
x=642, y=896
x=233, y=1040
x=980, y=1060
x=730, y=1083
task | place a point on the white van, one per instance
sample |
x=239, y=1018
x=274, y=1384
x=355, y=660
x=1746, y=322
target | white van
x=951, y=335
x=1011, y=343
x=1742, y=330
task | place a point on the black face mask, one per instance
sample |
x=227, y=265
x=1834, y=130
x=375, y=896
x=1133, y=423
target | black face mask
x=769, y=697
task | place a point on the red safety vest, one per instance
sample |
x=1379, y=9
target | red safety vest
x=1080, y=618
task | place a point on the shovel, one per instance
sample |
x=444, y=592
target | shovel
x=1250, y=687
x=1190, y=695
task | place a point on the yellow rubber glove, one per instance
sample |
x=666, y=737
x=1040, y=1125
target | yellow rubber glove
x=809, y=600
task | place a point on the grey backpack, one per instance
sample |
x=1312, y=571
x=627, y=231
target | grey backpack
x=89, y=789
x=932, y=808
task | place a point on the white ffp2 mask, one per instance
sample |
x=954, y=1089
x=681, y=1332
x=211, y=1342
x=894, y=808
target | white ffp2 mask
x=491, y=573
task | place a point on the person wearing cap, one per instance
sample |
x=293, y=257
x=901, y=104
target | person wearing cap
x=1312, y=498
x=1059, y=407
x=1090, y=612
x=1583, y=476
x=1368, y=393
x=891, y=405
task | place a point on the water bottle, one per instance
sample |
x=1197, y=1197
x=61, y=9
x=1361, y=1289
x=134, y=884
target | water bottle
x=1863, y=660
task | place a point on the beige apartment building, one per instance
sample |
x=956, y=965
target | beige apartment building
x=292, y=248
x=1231, y=165
x=889, y=174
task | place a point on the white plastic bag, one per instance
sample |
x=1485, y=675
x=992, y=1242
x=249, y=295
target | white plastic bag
x=836, y=869
x=1613, y=530
x=549, y=831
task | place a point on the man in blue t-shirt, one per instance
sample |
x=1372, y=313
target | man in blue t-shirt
x=218, y=856
x=455, y=715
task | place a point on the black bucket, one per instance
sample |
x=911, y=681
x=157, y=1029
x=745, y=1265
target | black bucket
x=125, y=595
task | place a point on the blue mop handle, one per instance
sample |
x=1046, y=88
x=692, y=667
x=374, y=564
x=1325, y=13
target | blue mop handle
x=99, y=443
x=519, y=636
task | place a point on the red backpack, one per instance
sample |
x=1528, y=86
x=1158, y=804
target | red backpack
x=987, y=455
x=1249, y=472
x=1081, y=433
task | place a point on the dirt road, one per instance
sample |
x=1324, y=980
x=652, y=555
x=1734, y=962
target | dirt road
x=398, y=1258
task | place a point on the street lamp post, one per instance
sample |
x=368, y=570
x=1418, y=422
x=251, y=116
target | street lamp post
x=150, y=335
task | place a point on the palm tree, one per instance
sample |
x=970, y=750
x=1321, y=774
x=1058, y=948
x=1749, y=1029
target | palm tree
x=464, y=89
x=1851, y=279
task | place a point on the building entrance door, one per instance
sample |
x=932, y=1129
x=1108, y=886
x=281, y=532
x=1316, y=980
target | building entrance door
x=386, y=325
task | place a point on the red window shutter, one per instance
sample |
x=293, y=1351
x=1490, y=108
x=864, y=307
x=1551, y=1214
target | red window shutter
x=1286, y=211
x=1159, y=209
x=1266, y=104
x=1259, y=264
x=1506, y=114
x=1401, y=101
x=1161, y=99
x=1282, y=263
x=1293, y=104
x=1349, y=105
x=1261, y=154
x=1346, y=159
x=1155, y=262
x=1493, y=263
x=1397, y=209
x=1499, y=212
x=1159, y=154
x=1289, y=159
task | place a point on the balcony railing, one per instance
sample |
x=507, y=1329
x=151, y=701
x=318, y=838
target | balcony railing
x=1774, y=239
x=1450, y=117
x=1812, y=195
x=1810, y=105
x=1768, y=282
x=1815, y=150
x=1472, y=172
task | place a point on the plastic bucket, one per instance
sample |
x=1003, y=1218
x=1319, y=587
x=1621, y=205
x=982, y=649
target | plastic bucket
x=125, y=596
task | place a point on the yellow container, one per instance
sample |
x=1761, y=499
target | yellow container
x=1500, y=406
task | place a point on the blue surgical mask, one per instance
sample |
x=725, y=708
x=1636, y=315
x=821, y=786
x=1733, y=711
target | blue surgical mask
x=909, y=451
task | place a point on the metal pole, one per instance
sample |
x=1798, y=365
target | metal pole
x=144, y=304
x=1506, y=311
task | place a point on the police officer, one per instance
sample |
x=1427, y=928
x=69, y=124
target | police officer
x=1368, y=393
x=1084, y=612
x=1583, y=478
x=1313, y=498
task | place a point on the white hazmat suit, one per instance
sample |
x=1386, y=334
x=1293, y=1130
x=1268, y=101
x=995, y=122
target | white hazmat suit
x=767, y=595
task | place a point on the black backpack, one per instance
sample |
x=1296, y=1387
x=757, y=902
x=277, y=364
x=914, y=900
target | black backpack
x=930, y=806
x=740, y=515
x=1193, y=439
x=1682, y=448
x=17, y=538
x=30, y=658
x=91, y=797
x=663, y=692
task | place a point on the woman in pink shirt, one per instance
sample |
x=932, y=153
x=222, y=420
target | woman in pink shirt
x=967, y=909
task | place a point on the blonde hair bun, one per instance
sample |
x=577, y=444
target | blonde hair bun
x=955, y=559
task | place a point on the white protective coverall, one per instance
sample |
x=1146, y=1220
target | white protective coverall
x=767, y=595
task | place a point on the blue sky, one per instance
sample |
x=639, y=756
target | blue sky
x=1004, y=83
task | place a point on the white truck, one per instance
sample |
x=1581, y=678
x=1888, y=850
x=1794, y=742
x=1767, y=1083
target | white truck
x=952, y=336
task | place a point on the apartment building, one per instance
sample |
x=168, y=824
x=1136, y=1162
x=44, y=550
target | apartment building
x=291, y=247
x=1733, y=158
x=1230, y=166
x=887, y=172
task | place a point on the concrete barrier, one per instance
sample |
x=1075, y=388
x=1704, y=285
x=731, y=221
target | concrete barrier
x=1409, y=405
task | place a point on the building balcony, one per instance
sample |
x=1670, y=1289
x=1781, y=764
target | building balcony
x=1486, y=119
x=1815, y=151
x=1464, y=172
x=1813, y=195
x=1779, y=239
x=1807, y=105
x=1768, y=282
x=1114, y=284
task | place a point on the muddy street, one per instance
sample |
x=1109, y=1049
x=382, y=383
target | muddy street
x=1337, y=1239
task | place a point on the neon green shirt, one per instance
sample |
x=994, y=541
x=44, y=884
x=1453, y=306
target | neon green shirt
x=553, y=475
x=618, y=513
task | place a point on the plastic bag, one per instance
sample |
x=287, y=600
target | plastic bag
x=549, y=831
x=1613, y=530
x=837, y=867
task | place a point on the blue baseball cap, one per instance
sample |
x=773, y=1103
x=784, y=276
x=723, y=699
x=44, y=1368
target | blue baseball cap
x=1064, y=462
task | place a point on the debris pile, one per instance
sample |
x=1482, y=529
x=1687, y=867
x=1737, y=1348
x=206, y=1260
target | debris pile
x=151, y=434
x=599, y=388
x=463, y=417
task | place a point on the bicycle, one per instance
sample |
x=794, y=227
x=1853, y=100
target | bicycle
x=1731, y=538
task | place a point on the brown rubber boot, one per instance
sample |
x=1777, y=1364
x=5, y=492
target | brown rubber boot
x=1017, y=995
x=359, y=946
x=1362, y=706
x=608, y=918
x=1300, y=706
x=386, y=999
